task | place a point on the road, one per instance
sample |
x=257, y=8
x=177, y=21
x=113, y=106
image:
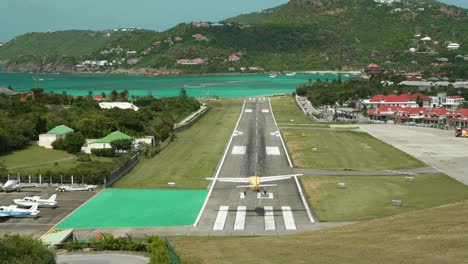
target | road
x=255, y=148
x=101, y=259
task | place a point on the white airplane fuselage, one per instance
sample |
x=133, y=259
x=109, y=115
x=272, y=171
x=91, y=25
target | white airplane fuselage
x=31, y=201
x=14, y=211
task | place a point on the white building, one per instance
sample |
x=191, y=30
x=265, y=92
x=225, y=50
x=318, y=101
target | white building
x=46, y=140
x=120, y=105
x=453, y=46
x=453, y=102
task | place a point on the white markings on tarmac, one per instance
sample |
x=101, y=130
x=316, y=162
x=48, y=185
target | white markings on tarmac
x=238, y=150
x=267, y=196
x=288, y=218
x=248, y=110
x=221, y=218
x=273, y=151
x=265, y=111
x=276, y=133
x=269, y=218
x=237, y=133
x=242, y=195
x=239, y=224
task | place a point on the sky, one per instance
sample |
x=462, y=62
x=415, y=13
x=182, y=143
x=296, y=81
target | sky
x=22, y=16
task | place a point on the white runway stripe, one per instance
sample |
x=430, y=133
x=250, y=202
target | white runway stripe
x=240, y=218
x=248, y=110
x=269, y=218
x=221, y=218
x=288, y=218
x=238, y=150
x=265, y=111
x=273, y=151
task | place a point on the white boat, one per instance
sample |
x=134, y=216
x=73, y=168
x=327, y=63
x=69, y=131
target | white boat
x=273, y=75
x=290, y=74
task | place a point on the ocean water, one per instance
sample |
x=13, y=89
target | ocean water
x=224, y=86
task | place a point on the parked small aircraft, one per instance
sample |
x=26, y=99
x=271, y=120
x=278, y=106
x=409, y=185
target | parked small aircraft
x=14, y=211
x=255, y=182
x=15, y=185
x=31, y=201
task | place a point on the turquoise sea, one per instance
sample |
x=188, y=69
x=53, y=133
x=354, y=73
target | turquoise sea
x=223, y=86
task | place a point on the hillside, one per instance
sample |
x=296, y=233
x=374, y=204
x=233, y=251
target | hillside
x=299, y=35
x=437, y=235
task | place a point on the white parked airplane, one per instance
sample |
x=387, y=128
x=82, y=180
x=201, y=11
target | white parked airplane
x=255, y=182
x=31, y=201
x=14, y=211
x=14, y=185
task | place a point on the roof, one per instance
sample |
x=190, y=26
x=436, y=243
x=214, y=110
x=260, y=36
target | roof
x=116, y=135
x=60, y=130
x=454, y=97
x=6, y=91
x=415, y=83
x=462, y=112
x=120, y=105
x=399, y=98
x=56, y=237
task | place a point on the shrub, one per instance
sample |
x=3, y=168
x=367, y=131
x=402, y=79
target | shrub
x=73, y=142
x=24, y=249
x=58, y=144
x=108, y=152
x=158, y=250
x=83, y=157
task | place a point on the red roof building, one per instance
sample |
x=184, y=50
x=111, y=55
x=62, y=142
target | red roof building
x=234, y=57
x=373, y=69
x=98, y=98
x=403, y=100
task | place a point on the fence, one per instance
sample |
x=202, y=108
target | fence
x=180, y=127
x=44, y=180
x=124, y=169
x=175, y=259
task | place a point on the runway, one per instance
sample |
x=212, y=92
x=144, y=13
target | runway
x=255, y=148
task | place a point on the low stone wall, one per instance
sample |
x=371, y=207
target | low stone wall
x=182, y=126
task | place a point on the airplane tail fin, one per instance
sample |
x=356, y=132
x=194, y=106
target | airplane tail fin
x=33, y=208
x=52, y=198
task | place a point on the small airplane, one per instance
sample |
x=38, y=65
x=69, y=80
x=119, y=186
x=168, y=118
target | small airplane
x=15, y=185
x=14, y=211
x=31, y=201
x=256, y=182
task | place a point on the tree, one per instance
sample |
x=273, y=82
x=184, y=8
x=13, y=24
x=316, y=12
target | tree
x=24, y=249
x=183, y=92
x=3, y=169
x=121, y=144
x=113, y=95
x=73, y=142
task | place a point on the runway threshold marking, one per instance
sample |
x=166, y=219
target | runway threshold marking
x=269, y=218
x=265, y=111
x=248, y=110
x=221, y=218
x=273, y=151
x=239, y=224
x=238, y=150
x=288, y=218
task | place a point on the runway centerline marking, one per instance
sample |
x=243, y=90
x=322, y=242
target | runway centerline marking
x=288, y=218
x=239, y=223
x=221, y=218
x=268, y=196
x=269, y=218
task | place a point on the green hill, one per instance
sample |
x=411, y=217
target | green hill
x=299, y=35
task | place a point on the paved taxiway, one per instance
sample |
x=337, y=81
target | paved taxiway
x=256, y=148
x=47, y=218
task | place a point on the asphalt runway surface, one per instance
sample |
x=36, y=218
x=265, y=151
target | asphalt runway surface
x=437, y=148
x=256, y=149
x=47, y=218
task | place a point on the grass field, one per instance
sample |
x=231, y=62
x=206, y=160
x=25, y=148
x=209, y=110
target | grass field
x=287, y=112
x=344, y=150
x=370, y=197
x=432, y=236
x=34, y=159
x=192, y=156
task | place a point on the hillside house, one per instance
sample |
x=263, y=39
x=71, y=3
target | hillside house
x=196, y=61
x=234, y=58
x=133, y=61
x=105, y=142
x=453, y=46
x=58, y=132
x=200, y=37
x=373, y=69
x=120, y=105
x=201, y=24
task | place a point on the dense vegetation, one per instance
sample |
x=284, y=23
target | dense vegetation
x=300, y=35
x=22, y=121
x=22, y=249
x=153, y=245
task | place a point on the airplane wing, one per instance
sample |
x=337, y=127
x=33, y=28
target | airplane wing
x=241, y=180
x=278, y=178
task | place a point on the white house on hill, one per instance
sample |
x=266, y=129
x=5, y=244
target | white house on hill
x=45, y=140
x=120, y=105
